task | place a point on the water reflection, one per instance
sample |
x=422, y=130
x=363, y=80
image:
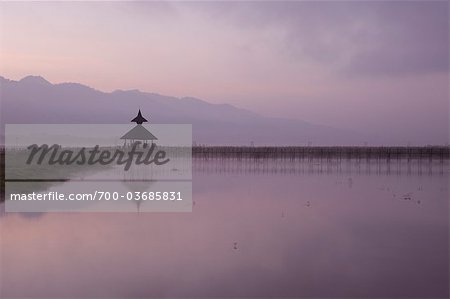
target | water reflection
x=319, y=166
x=255, y=231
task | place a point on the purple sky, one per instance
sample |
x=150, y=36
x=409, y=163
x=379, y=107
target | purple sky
x=380, y=67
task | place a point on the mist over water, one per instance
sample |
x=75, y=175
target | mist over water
x=257, y=229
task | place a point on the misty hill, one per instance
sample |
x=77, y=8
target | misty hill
x=35, y=100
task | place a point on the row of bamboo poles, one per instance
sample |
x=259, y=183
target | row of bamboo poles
x=322, y=152
x=312, y=152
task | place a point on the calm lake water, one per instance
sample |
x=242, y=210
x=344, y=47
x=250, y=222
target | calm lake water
x=258, y=229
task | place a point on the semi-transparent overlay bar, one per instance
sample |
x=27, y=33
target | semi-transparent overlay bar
x=60, y=167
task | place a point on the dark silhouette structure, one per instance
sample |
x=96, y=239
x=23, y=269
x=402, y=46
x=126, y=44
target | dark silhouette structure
x=139, y=119
x=138, y=133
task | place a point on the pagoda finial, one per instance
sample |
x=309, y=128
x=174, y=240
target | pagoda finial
x=139, y=119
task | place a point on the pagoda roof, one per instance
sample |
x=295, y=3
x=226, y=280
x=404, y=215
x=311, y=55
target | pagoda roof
x=139, y=133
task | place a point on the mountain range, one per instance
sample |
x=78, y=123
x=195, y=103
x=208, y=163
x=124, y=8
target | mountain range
x=33, y=99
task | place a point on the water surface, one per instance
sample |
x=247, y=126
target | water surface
x=257, y=229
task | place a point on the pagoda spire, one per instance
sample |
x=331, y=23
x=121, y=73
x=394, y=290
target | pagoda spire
x=139, y=119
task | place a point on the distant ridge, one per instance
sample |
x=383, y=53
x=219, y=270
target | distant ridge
x=33, y=99
x=34, y=80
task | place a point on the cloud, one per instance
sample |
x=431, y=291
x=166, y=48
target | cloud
x=413, y=38
x=358, y=38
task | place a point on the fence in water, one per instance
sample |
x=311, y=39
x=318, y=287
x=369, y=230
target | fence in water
x=323, y=152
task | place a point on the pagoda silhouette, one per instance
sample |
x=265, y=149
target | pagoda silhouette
x=139, y=133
